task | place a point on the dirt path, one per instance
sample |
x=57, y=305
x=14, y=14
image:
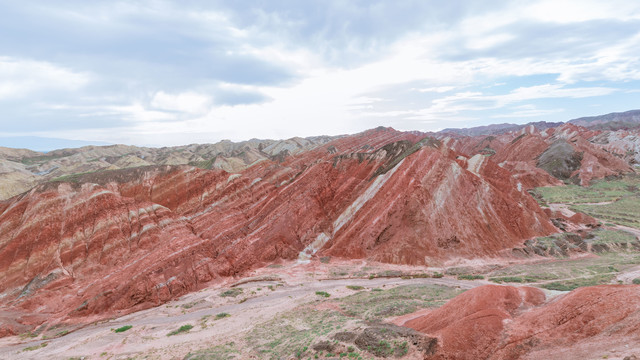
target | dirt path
x=150, y=327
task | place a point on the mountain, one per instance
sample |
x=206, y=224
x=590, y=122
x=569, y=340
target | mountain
x=495, y=129
x=96, y=232
x=117, y=241
x=612, y=121
x=44, y=144
x=20, y=170
x=547, y=157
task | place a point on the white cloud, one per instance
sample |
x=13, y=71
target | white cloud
x=528, y=113
x=451, y=106
x=23, y=77
x=187, y=102
x=332, y=99
x=436, y=89
x=137, y=112
x=572, y=11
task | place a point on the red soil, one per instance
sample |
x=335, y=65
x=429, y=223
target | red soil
x=503, y=322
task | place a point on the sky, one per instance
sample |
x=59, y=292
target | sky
x=161, y=73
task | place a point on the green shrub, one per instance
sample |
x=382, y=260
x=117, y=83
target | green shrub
x=231, y=292
x=323, y=293
x=183, y=328
x=636, y=281
x=355, y=287
x=437, y=275
x=36, y=347
x=420, y=276
x=123, y=329
x=507, y=279
x=470, y=277
x=222, y=315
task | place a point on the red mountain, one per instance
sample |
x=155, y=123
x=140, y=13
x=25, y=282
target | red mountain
x=119, y=241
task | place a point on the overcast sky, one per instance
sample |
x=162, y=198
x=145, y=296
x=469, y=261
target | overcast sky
x=169, y=73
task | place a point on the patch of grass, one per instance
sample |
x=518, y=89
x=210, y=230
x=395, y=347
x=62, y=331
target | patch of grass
x=287, y=335
x=62, y=333
x=191, y=304
x=420, y=276
x=624, y=195
x=607, y=236
x=123, y=329
x=323, y=293
x=284, y=336
x=507, y=279
x=598, y=191
x=339, y=272
x=636, y=281
x=222, y=315
x=181, y=329
x=28, y=334
x=36, y=347
x=71, y=177
x=607, y=263
x=386, y=348
x=378, y=304
x=437, y=275
x=390, y=273
x=233, y=292
x=225, y=351
x=204, y=164
x=470, y=277
x=569, y=285
x=355, y=287
x=325, y=259
x=625, y=211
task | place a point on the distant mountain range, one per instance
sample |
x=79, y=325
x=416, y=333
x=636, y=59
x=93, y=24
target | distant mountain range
x=613, y=121
x=44, y=144
x=495, y=129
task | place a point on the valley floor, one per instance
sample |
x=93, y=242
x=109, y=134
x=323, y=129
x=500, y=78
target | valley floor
x=281, y=311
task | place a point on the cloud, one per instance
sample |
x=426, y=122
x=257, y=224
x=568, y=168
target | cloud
x=24, y=77
x=188, y=102
x=169, y=71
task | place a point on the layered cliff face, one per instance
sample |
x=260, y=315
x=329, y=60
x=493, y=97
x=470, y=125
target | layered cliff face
x=548, y=157
x=123, y=240
x=504, y=322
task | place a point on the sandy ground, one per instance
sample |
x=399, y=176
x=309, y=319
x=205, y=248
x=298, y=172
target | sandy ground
x=148, y=336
